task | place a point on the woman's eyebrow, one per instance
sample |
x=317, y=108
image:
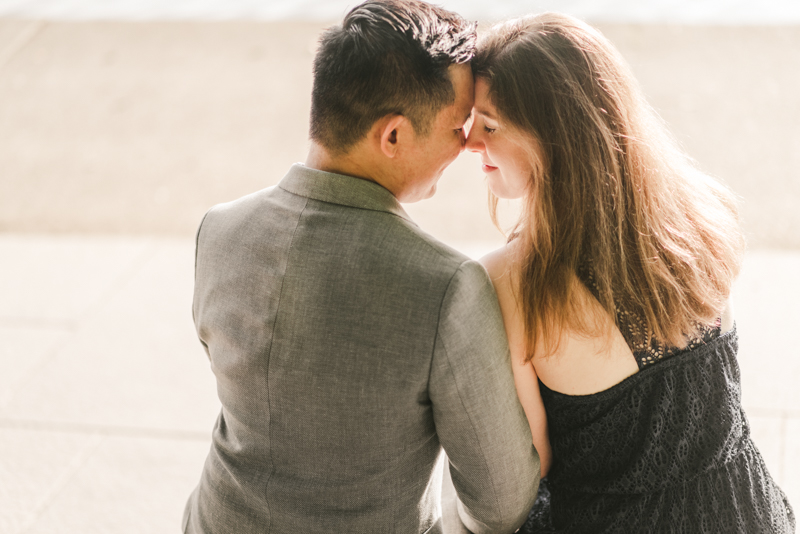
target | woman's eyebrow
x=485, y=113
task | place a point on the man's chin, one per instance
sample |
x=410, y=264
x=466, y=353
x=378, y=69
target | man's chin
x=419, y=195
x=431, y=192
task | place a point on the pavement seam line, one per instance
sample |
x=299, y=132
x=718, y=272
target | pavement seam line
x=104, y=430
x=78, y=461
x=11, y=321
x=23, y=39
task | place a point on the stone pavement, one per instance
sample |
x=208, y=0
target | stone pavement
x=107, y=400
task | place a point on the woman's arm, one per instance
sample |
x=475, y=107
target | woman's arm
x=525, y=378
x=527, y=384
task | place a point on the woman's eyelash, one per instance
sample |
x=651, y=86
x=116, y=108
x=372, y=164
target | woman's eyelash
x=489, y=130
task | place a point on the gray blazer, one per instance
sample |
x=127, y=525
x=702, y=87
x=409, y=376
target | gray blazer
x=349, y=347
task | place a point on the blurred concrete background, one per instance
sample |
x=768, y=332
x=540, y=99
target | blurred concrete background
x=139, y=127
x=116, y=135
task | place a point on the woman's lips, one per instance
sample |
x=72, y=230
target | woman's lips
x=488, y=168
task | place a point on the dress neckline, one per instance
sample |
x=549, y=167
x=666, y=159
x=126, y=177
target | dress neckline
x=644, y=372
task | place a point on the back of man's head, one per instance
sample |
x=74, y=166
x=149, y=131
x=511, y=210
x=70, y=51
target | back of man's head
x=387, y=57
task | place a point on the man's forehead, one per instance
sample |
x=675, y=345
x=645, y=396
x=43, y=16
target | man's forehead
x=464, y=87
x=461, y=76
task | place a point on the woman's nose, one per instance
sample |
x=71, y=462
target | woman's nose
x=473, y=142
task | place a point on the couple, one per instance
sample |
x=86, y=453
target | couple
x=596, y=348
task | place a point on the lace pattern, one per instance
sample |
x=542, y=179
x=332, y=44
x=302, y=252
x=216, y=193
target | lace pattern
x=633, y=328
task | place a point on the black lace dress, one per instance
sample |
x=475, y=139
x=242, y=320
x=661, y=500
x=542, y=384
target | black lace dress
x=666, y=450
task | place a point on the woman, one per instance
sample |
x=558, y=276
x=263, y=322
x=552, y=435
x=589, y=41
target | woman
x=614, y=288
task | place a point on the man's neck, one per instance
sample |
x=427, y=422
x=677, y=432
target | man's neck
x=320, y=159
x=356, y=163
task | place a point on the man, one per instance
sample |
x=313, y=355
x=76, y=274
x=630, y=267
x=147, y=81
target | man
x=349, y=346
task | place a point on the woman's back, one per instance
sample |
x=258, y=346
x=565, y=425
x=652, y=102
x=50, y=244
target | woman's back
x=651, y=438
x=583, y=364
x=667, y=449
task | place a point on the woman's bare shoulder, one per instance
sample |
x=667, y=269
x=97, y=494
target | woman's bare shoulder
x=495, y=262
x=498, y=263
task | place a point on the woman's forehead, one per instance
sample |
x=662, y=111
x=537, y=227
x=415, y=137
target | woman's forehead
x=483, y=104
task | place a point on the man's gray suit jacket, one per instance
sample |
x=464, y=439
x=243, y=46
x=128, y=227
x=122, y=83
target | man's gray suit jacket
x=349, y=347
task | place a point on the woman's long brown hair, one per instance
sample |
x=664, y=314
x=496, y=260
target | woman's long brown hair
x=610, y=191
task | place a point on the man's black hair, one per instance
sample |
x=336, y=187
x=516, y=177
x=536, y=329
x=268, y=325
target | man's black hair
x=387, y=57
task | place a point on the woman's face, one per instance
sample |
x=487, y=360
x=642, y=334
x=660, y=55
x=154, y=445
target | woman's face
x=506, y=160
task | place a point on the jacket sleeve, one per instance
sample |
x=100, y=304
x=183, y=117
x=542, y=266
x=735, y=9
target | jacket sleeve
x=480, y=423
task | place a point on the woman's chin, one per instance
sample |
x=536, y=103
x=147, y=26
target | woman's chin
x=502, y=192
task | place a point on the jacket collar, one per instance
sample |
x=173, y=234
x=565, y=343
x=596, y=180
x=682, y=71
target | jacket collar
x=341, y=189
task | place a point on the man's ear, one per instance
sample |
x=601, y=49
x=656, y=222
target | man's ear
x=391, y=127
